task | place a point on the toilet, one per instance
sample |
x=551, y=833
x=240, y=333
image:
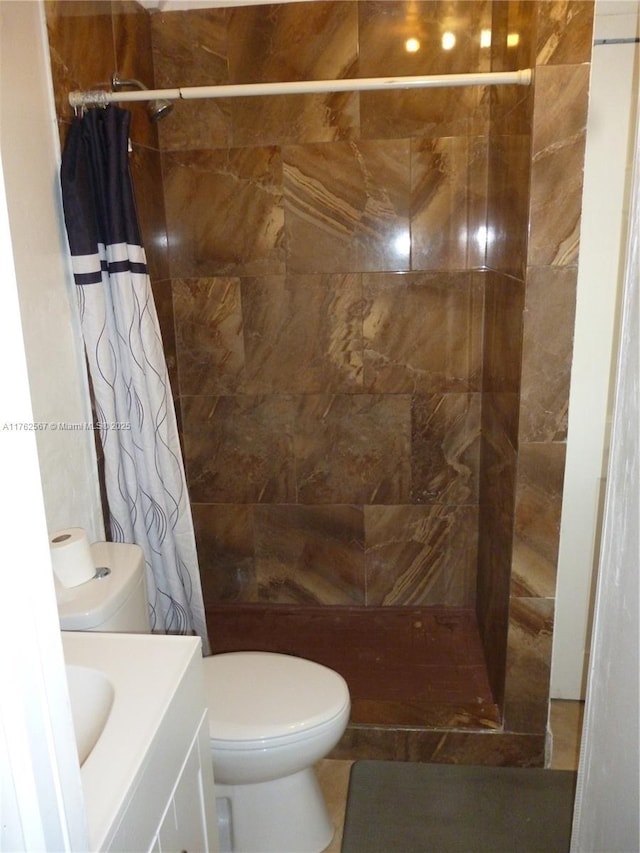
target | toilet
x=271, y=716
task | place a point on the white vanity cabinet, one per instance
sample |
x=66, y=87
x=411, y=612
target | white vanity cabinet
x=184, y=826
x=172, y=807
x=148, y=781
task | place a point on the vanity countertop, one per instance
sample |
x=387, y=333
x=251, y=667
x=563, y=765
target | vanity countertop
x=148, y=714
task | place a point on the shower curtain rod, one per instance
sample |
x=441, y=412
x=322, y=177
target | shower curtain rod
x=489, y=78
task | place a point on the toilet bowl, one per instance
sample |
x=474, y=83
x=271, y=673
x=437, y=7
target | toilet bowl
x=271, y=717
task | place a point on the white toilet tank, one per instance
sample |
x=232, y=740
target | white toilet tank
x=115, y=599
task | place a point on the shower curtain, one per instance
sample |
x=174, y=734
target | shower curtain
x=144, y=475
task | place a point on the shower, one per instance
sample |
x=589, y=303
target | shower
x=157, y=109
x=372, y=485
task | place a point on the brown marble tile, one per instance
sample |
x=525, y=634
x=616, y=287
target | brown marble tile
x=445, y=448
x=132, y=38
x=224, y=212
x=498, y=461
x=537, y=519
x=161, y=289
x=502, y=410
x=503, y=324
x=385, y=25
x=422, y=709
x=347, y=206
x=292, y=41
x=303, y=333
x=239, y=449
x=448, y=112
x=559, y=120
x=196, y=125
x=310, y=555
x=225, y=542
x=528, y=664
x=422, y=332
x=402, y=664
x=421, y=556
x=511, y=111
x=448, y=203
x=353, y=449
x=146, y=174
x=295, y=119
x=366, y=643
x=564, y=32
x=491, y=749
x=210, y=343
x=384, y=29
x=549, y=319
x=497, y=497
x=518, y=20
x=513, y=31
x=190, y=49
x=508, y=202
x=72, y=25
x=373, y=742
x=477, y=202
x=398, y=661
x=492, y=603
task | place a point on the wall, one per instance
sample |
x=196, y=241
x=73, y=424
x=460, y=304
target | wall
x=507, y=221
x=42, y=799
x=55, y=358
x=606, y=813
x=557, y=155
x=328, y=316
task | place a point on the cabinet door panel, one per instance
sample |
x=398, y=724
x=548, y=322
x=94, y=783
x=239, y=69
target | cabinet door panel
x=183, y=828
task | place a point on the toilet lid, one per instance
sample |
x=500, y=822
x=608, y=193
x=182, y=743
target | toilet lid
x=257, y=695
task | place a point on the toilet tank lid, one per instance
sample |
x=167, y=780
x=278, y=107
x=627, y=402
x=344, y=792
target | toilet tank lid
x=256, y=695
x=83, y=607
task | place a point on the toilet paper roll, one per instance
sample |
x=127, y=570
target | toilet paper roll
x=71, y=556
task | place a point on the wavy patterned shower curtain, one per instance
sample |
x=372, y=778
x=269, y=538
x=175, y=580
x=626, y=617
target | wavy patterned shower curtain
x=144, y=474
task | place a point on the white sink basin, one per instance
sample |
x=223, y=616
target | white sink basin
x=127, y=714
x=92, y=696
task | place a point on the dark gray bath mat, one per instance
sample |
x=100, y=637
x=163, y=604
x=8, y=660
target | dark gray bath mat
x=401, y=807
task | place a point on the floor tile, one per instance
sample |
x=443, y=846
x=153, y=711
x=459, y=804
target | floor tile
x=565, y=721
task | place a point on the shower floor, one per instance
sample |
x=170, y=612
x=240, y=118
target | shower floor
x=417, y=667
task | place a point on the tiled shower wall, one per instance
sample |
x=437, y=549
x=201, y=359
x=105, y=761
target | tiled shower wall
x=324, y=254
x=332, y=427
x=535, y=192
x=563, y=44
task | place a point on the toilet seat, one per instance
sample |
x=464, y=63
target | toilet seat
x=257, y=696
